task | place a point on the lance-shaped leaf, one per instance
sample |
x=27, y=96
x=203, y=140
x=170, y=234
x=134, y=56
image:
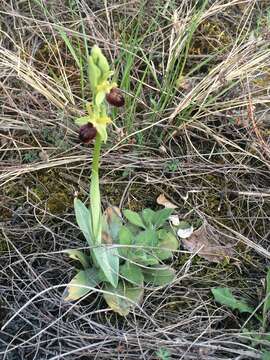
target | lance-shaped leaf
x=266, y=305
x=123, y=298
x=107, y=259
x=134, y=218
x=161, y=217
x=81, y=284
x=159, y=275
x=148, y=216
x=83, y=218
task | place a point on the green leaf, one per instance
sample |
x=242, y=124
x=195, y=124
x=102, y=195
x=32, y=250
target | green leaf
x=132, y=273
x=167, y=244
x=125, y=238
x=134, y=218
x=83, y=218
x=143, y=257
x=107, y=259
x=148, y=216
x=123, y=298
x=159, y=275
x=266, y=355
x=267, y=300
x=266, y=305
x=161, y=217
x=147, y=238
x=82, y=120
x=224, y=296
x=79, y=285
x=71, y=48
x=80, y=256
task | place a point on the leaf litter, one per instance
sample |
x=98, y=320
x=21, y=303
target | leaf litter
x=206, y=243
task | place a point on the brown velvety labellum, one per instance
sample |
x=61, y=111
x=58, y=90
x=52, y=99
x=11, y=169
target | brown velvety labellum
x=87, y=133
x=115, y=97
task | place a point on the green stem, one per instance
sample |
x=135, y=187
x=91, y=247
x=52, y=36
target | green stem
x=95, y=203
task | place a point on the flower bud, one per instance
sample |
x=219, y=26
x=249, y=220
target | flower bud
x=87, y=133
x=115, y=97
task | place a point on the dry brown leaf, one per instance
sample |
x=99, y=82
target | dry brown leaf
x=162, y=200
x=110, y=212
x=111, y=215
x=205, y=242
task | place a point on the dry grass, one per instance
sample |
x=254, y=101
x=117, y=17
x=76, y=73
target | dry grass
x=204, y=143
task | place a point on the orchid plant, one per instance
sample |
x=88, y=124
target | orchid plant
x=126, y=250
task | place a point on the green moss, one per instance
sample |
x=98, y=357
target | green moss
x=210, y=36
x=53, y=191
x=46, y=187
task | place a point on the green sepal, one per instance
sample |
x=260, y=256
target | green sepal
x=82, y=120
x=94, y=74
x=100, y=60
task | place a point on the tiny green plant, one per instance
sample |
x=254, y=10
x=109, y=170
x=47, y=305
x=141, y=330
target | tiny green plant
x=225, y=297
x=163, y=354
x=126, y=250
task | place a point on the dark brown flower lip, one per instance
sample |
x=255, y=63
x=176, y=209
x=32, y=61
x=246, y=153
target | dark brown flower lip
x=87, y=133
x=115, y=97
